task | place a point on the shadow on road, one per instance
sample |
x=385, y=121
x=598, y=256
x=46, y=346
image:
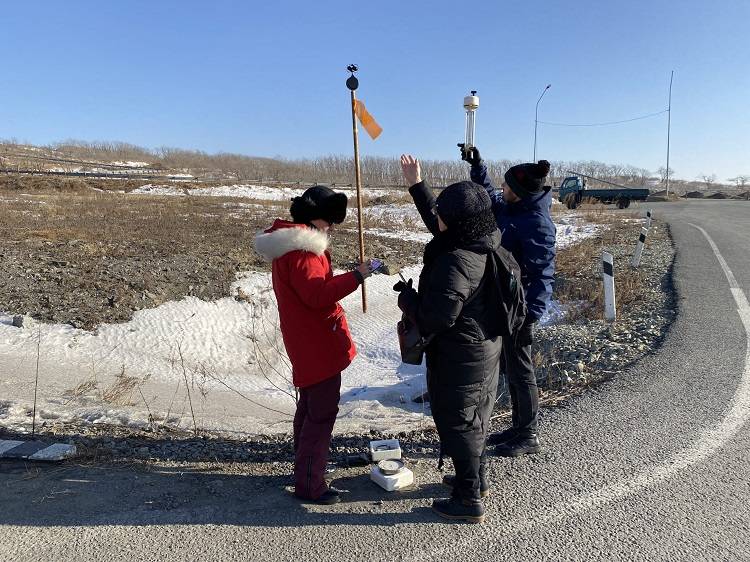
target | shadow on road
x=254, y=489
x=69, y=494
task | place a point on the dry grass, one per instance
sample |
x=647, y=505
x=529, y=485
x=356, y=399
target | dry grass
x=93, y=257
x=119, y=393
x=578, y=267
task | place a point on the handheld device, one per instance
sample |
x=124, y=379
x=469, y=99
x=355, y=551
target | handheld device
x=376, y=265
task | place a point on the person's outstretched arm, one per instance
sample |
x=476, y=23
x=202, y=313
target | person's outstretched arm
x=307, y=276
x=479, y=174
x=420, y=191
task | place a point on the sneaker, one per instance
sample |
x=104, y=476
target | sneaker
x=484, y=486
x=520, y=445
x=329, y=497
x=459, y=510
x=502, y=436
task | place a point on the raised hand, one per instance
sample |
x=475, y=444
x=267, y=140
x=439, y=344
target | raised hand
x=411, y=170
x=470, y=155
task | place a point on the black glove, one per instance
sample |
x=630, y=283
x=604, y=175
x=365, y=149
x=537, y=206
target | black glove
x=408, y=301
x=525, y=334
x=470, y=155
x=401, y=286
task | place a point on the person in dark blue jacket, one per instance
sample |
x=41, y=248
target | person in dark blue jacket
x=522, y=210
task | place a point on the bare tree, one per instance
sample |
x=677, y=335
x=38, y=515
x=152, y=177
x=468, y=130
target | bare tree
x=739, y=181
x=707, y=179
x=664, y=173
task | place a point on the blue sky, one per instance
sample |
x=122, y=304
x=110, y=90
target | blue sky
x=267, y=78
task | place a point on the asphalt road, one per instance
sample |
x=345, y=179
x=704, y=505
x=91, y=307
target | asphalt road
x=650, y=466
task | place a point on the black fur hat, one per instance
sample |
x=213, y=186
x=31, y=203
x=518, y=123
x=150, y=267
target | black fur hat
x=319, y=202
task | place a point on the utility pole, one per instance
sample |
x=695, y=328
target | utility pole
x=536, y=117
x=669, y=126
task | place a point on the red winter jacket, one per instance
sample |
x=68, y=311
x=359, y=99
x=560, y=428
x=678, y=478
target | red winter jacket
x=316, y=335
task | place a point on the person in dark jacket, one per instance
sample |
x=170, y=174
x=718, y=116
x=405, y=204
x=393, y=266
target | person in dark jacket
x=452, y=304
x=313, y=326
x=522, y=210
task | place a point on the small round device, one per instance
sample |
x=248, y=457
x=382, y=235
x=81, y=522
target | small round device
x=390, y=467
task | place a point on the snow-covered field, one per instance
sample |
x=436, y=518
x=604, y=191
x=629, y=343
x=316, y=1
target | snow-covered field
x=228, y=353
x=246, y=191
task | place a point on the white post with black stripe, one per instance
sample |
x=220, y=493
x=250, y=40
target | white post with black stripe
x=36, y=450
x=639, y=248
x=649, y=216
x=608, y=277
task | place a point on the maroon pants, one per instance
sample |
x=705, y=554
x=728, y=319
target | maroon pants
x=316, y=413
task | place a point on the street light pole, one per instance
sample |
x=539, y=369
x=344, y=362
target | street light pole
x=669, y=127
x=536, y=117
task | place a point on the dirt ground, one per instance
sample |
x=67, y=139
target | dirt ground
x=70, y=254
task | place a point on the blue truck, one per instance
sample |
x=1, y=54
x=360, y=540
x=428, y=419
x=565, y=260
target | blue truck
x=573, y=191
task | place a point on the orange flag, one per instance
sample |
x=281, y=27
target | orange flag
x=370, y=125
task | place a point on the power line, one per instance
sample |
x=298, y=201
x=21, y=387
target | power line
x=605, y=123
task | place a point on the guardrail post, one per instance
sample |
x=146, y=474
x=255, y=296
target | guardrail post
x=608, y=278
x=649, y=215
x=639, y=248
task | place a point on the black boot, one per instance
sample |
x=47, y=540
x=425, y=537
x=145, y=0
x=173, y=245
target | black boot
x=521, y=444
x=457, y=509
x=502, y=436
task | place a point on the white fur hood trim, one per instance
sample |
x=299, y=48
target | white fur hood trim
x=272, y=245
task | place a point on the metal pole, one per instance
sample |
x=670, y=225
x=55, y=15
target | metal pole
x=352, y=85
x=536, y=116
x=669, y=126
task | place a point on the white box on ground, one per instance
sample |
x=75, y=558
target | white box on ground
x=385, y=449
x=392, y=482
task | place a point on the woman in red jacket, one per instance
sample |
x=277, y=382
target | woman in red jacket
x=313, y=325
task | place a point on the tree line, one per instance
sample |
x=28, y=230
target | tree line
x=333, y=169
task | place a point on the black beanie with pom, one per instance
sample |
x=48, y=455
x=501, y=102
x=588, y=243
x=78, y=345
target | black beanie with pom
x=319, y=202
x=527, y=179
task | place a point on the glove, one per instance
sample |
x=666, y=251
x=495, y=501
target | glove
x=401, y=286
x=470, y=155
x=408, y=300
x=525, y=334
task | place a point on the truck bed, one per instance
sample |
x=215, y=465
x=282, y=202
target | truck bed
x=635, y=193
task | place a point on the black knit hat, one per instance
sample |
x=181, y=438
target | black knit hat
x=461, y=201
x=319, y=202
x=527, y=179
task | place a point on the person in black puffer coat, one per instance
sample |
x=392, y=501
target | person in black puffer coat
x=452, y=303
